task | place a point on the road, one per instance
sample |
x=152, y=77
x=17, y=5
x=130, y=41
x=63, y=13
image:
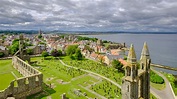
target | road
x=166, y=93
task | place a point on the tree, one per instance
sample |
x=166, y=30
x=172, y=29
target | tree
x=45, y=54
x=14, y=41
x=71, y=49
x=59, y=52
x=29, y=51
x=88, y=48
x=125, y=57
x=40, y=36
x=116, y=64
x=78, y=55
x=54, y=53
x=1, y=54
x=14, y=47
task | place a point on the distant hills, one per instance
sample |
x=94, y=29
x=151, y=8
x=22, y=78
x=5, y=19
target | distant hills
x=79, y=32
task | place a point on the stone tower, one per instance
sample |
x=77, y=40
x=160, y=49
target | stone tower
x=136, y=83
x=21, y=45
x=145, y=62
x=99, y=42
x=23, y=55
x=129, y=82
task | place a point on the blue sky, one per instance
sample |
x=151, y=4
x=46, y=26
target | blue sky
x=92, y=15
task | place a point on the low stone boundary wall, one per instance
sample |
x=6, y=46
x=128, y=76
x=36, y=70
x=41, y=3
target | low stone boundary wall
x=164, y=67
x=30, y=84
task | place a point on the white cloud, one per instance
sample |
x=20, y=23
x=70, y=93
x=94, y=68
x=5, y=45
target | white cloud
x=116, y=15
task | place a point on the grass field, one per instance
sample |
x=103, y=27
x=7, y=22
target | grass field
x=6, y=75
x=61, y=79
x=87, y=64
x=104, y=88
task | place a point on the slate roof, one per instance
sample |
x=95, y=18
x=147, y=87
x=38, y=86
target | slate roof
x=112, y=57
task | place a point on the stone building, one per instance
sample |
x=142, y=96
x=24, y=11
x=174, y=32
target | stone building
x=29, y=84
x=99, y=42
x=4, y=50
x=136, y=83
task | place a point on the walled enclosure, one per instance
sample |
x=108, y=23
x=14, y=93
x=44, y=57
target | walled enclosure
x=30, y=84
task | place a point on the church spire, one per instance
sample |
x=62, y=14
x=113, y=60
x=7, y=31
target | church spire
x=131, y=55
x=145, y=52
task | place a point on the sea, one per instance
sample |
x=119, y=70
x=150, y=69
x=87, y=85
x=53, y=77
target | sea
x=162, y=47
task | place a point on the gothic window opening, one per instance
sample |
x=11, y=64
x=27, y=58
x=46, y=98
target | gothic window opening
x=128, y=88
x=128, y=71
x=142, y=66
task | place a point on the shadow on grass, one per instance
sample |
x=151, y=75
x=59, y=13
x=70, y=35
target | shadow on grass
x=46, y=92
x=34, y=64
x=61, y=58
x=69, y=58
x=47, y=58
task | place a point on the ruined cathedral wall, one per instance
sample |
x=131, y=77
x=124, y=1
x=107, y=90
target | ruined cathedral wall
x=30, y=84
x=24, y=68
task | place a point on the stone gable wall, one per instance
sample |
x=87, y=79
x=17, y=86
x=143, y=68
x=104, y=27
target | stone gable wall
x=30, y=84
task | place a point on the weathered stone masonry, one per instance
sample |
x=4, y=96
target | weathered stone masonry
x=30, y=84
x=136, y=82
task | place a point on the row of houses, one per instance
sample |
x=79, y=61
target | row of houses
x=90, y=49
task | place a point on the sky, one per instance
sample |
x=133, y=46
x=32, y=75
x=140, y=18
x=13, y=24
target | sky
x=89, y=15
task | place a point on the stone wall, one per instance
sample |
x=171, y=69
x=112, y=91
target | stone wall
x=30, y=84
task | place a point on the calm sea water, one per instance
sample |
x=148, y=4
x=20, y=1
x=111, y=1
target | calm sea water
x=162, y=47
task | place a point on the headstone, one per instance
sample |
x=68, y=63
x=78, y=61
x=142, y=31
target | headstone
x=63, y=96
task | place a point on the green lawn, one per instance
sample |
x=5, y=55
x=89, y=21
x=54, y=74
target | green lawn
x=152, y=96
x=87, y=64
x=172, y=80
x=103, y=70
x=158, y=86
x=107, y=89
x=59, y=79
x=74, y=79
x=54, y=73
x=5, y=80
x=6, y=76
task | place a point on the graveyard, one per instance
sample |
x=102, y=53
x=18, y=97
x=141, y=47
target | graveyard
x=75, y=83
x=96, y=67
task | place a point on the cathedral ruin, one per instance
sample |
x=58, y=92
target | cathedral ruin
x=136, y=82
x=32, y=79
